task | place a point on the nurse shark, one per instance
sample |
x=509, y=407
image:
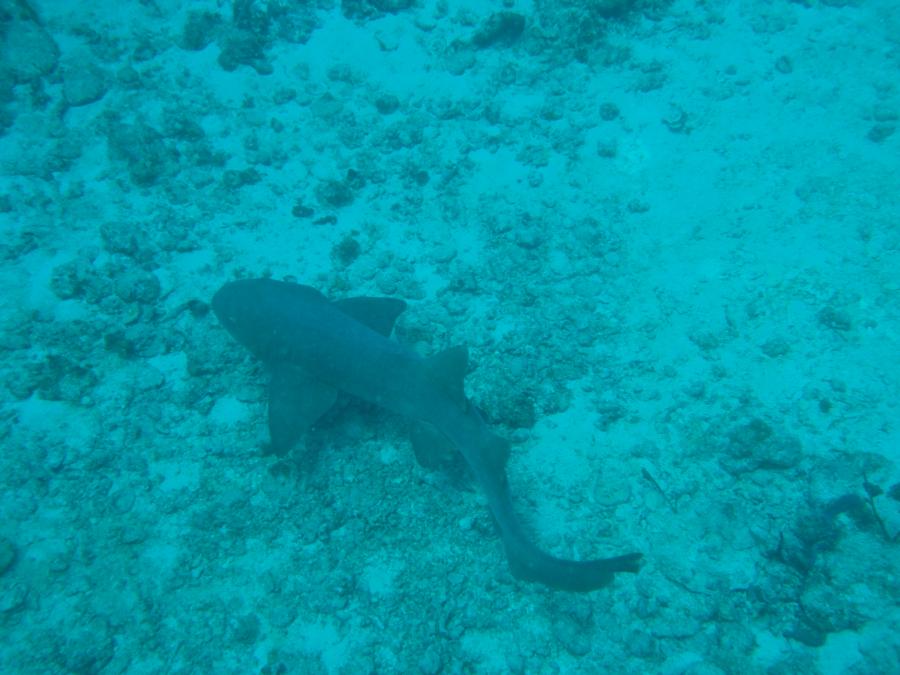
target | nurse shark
x=316, y=348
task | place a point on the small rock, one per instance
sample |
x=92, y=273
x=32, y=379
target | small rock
x=500, y=29
x=880, y=132
x=431, y=662
x=7, y=554
x=12, y=597
x=387, y=104
x=572, y=636
x=27, y=51
x=83, y=83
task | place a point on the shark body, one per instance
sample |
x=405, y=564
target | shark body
x=315, y=348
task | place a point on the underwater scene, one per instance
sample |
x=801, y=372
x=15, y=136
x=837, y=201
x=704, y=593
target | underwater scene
x=450, y=337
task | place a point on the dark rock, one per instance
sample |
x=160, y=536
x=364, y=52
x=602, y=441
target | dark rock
x=574, y=637
x=335, y=193
x=611, y=8
x=200, y=30
x=501, y=29
x=609, y=112
x=83, y=83
x=233, y=179
x=88, y=649
x=119, y=238
x=881, y=132
x=59, y=378
x=241, y=47
x=347, y=251
x=118, y=342
x=7, y=554
x=806, y=634
x=372, y=9
x=245, y=629
x=137, y=285
x=182, y=127
x=300, y=210
x=776, y=347
x=27, y=51
x=834, y=318
x=143, y=149
x=755, y=445
x=387, y=104
x=67, y=280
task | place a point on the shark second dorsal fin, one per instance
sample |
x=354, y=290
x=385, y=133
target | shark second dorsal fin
x=448, y=370
x=379, y=314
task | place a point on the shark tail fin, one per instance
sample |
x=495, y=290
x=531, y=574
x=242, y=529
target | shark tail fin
x=448, y=370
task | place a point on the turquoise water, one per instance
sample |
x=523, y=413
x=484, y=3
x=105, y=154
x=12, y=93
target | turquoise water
x=668, y=232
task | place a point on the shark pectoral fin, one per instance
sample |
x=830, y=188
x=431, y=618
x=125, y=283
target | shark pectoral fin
x=448, y=370
x=379, y=314
x=432, y=449
x=435, y=452
x=295, y=403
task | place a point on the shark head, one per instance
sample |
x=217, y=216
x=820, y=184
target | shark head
x=234, y=305
x=267, y=316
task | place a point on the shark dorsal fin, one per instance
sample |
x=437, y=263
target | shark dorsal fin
x=448, y=370
x=379, y=314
